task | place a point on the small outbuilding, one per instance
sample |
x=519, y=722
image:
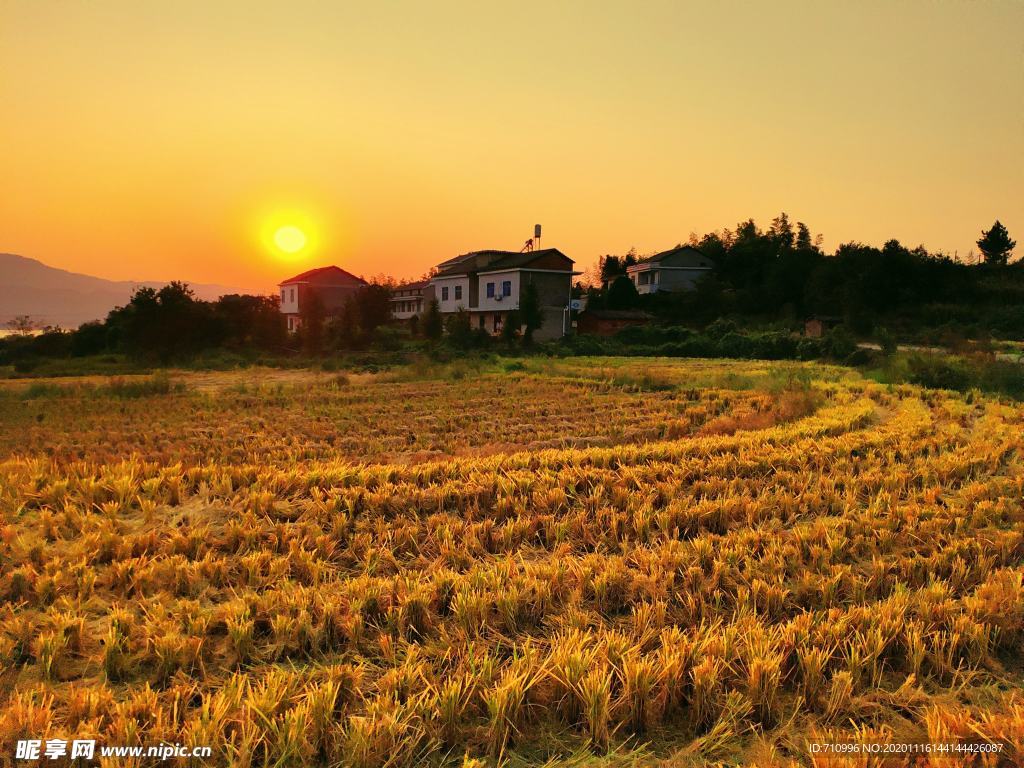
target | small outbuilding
x=817, y=326
x=607, y=322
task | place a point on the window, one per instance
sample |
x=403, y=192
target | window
x=506, y=287
x=654, y=277
x=293, y=294
x=458, y=292
x=645, y=278
x=282, y=294
x=490, y=290
x=497, y=322
x=444, y=293
x=482, y=320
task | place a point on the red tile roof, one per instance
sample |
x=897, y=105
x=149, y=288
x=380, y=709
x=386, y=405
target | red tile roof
x=325, y=275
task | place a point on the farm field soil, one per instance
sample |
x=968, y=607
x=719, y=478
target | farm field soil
x=583, y=561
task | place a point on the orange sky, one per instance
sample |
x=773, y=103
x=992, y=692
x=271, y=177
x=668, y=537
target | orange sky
x=153, y=140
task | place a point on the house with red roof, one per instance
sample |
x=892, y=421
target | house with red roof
x=332, y=286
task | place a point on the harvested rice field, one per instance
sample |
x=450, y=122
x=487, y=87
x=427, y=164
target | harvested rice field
x=589, y=561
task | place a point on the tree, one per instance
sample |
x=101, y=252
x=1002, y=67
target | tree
x=374, y=304
x=245, y=321
x=460, y=329
x=622, y=294
x=804, y=241
x=530, y=313
x=996, y=244
x=89, y=339
x=345, y=326
x=311, y=314
x=610, y=267
x=22, y=325
x=782, y=231
x=168, y=323
x=433, y=324
x=511, y=326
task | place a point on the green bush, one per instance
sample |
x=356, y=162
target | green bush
x=886, y=341
x=1002, y=376
x=839, y=344
x=809, y=349
x=736, y=345
x=388, y=338
x=938, y=372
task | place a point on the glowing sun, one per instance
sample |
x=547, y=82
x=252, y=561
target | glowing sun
x=289, y=235
x=290, y=239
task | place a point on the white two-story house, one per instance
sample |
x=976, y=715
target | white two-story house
x=490, y=284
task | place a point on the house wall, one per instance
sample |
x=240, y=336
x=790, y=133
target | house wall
x=679, y=279
x=404, y=307
x=452, y=304
x=406, y=302
x=332, y=297
x=486, y=321
x=554, y=318
x=667, y=278
x=639, y=276
x=507, y=303
x=553, y=289
x=290, y=299
x=429, y=294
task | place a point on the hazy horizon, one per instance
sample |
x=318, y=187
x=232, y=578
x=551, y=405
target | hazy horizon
x=154, y=142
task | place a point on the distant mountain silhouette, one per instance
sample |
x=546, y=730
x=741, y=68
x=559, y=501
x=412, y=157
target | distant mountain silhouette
x=68, y=299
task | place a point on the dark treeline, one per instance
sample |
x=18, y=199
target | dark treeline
x=782, y=274
x=172, y=325
x=358, y=324
x=164, y=325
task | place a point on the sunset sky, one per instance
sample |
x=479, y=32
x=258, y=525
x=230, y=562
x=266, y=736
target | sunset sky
x=160, y=140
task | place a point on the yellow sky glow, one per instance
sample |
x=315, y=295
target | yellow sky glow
x=161, y=140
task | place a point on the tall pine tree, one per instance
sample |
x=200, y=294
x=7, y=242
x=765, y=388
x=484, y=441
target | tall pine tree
x=996, y=244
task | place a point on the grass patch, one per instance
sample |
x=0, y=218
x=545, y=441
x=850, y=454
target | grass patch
x=116, y=388
x=958, y=373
